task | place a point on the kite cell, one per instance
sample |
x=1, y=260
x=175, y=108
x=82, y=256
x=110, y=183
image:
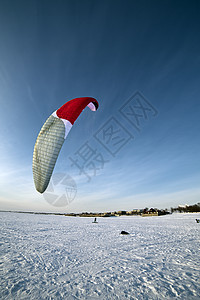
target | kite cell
x=51, y=138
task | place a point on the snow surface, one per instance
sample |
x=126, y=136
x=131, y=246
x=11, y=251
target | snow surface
x=58, y=257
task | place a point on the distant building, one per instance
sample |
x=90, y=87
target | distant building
x=150, y=214
x=183, y=206
x=153, y=212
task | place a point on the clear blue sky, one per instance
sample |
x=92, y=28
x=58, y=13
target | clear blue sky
x=53, y=51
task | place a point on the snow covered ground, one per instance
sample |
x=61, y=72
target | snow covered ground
x=57, y=257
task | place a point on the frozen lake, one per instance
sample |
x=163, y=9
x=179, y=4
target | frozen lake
x=57, y=257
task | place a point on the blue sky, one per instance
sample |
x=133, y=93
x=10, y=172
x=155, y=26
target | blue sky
x=54, y=51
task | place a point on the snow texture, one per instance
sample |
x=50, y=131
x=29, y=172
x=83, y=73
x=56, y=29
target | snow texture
x=58, y=257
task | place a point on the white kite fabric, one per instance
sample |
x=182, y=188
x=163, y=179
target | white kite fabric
x=46, y=150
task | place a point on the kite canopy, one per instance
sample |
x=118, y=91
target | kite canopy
x=72, y=109
x=51, y=138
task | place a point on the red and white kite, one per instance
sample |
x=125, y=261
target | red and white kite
x=52, y=136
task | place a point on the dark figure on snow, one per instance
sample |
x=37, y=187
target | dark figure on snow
x=124, y=232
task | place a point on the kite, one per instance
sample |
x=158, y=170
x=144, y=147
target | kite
x=52, y=136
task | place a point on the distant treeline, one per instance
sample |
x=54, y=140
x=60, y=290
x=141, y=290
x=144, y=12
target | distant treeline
x=141, y=212
x=187, y=208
